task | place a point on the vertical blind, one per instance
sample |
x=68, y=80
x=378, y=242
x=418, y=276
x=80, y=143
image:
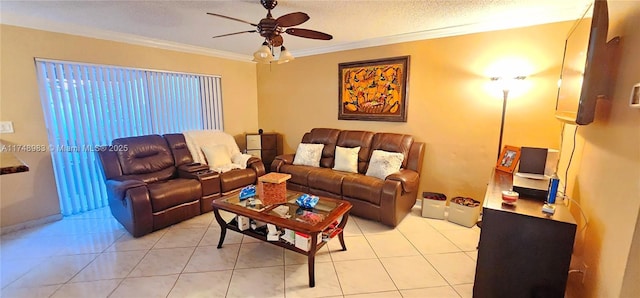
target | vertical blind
x=87, y=106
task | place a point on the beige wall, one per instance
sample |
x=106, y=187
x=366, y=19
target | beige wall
x=605, y=175
x=451, y=105
x=33, y=195
x=451, y=110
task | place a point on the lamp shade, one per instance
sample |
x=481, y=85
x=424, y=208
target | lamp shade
x=263, y=54
x=285, y=55
x=507, y=83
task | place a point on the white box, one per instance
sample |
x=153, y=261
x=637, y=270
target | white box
x=272, y=233
x=303, y=241
x=243, y=222
x=463, y=215
x=433, y=208
x=255, y=152
x=288, y=236
x=254, y=142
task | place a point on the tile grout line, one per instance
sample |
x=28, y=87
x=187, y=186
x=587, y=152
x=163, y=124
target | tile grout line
x=333, y=262
x=426, y=259
x=132, y=268
x=186, y=263
x=233, y=270
x=382, y=264
x=85, y=267
x=147, y=251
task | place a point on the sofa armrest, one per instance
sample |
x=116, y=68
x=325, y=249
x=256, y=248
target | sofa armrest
x=253, y=160
x=117, y=188
x=286, y=158
x=130, y=204
x=409, y=179
x=192, y=167
x=280, y=160
x=257, y=165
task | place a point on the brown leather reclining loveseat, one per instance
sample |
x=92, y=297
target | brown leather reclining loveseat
x=387, y=201
x=153, y=183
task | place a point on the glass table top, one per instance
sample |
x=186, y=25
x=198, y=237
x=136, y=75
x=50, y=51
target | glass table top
x=290, y=209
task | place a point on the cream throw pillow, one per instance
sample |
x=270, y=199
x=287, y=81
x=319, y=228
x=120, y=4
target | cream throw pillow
x=308, y=155
x=384, y=163
x=346, y=159
x=217, y=156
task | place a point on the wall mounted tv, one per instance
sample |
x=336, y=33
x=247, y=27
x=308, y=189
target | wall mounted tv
x=587, y=66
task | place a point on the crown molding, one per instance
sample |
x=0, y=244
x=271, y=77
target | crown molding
x=558, y=16
x=59, y=27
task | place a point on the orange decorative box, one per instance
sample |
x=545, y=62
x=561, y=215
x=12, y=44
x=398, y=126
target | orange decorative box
x=272, y=188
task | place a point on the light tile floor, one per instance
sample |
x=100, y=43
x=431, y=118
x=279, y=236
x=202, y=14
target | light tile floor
x=91, y=255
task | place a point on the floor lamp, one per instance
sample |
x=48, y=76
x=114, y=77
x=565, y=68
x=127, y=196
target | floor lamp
x=506, y=84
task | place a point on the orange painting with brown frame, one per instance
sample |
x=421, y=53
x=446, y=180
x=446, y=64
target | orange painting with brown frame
x=374, y=90
x=508, y=159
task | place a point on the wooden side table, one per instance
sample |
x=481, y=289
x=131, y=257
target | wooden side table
x=522, y=251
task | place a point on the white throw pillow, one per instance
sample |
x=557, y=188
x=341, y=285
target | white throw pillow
x=217, y=155
x=384, y=163
x=308, y=155
x=346, y=159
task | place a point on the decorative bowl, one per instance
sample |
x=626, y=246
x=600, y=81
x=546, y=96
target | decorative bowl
x=509, y=197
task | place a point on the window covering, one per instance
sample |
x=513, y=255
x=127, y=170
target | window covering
x=88, y=105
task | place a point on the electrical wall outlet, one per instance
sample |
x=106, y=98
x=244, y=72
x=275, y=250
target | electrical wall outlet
x=6, y=127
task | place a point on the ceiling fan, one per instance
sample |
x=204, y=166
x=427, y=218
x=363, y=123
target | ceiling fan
x=272, y=29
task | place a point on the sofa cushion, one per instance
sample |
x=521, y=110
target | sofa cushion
x=236, y=178
x=326, y=136
x=170, y=193
x=393, y=142
x=357, y=138
x=179, y=148
x=308, y=155
x=144, y=155
x=216, y=155
x=299, y=174
x=383, y=163
x=327, y=180
x=346, y=159
x=362, y=187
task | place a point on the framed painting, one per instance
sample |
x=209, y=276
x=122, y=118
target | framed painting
x=374, y=90
x=508, y=159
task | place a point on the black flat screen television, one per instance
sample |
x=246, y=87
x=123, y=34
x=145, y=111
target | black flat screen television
x=585, y=66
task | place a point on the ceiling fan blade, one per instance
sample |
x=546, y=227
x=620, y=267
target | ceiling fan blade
x=306, y=33
x=292, y=19
x=277, y=41
x=230, y=18
x=248, y=31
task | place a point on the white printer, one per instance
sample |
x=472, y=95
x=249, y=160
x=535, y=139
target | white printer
x=537, y=165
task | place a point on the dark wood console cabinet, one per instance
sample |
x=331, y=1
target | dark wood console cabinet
x=265, y=146
x=522, y=252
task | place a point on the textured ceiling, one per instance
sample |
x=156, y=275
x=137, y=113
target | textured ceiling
x=352, y=23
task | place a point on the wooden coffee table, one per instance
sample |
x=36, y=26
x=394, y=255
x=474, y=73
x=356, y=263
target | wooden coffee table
x=326, y=212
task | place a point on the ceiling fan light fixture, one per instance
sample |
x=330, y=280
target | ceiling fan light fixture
x=263, y=54
x=271, y=29
x=285, y=55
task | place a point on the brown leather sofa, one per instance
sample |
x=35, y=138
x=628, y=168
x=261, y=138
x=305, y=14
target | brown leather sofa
x=153, y=183
x=387, y=201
